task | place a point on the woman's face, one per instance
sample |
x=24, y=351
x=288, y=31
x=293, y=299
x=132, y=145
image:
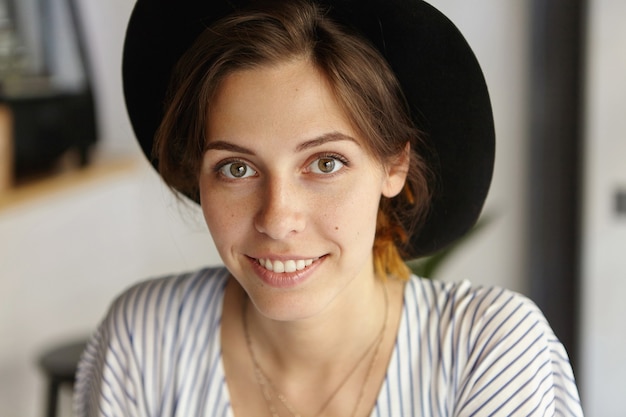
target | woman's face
x=289, y=192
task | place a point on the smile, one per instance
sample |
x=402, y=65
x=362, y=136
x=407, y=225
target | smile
x=288, y=266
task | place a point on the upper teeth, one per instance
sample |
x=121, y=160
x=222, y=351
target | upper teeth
x=285, y=266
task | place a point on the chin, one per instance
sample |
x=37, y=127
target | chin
x=287, y=305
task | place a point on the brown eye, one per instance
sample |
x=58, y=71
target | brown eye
x=236, y=170
x=326, y=165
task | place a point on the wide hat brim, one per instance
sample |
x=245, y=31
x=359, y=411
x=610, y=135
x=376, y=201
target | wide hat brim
x=438, y=71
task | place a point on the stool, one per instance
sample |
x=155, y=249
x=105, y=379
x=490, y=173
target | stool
x=59, y=365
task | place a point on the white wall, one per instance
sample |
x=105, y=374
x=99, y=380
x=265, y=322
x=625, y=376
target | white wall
x=63, y=258
x=603, y=341
x=106, y=26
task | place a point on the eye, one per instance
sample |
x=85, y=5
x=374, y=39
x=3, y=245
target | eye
x=236, y=170
x=327, y=164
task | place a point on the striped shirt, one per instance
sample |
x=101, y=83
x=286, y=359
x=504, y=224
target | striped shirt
x=460, y=351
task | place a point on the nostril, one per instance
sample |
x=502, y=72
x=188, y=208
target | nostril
x=279, y=224
x=279, y=215
x=279, y=227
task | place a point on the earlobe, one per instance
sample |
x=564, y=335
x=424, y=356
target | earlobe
x=396, y=172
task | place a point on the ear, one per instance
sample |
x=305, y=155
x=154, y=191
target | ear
x=396, y=171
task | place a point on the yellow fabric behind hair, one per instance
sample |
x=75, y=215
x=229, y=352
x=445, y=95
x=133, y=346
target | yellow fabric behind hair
x=387, y=259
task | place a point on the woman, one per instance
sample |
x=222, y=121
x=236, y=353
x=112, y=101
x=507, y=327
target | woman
x=294, y=124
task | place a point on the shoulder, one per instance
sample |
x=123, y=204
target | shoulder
x=466, y=323
x=154, y=332
x=152, y=299
x=477, y=321
x=166, y=307
x=478, y=310
x=177, y=286
x=496, y=349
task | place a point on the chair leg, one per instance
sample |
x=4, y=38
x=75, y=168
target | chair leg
x=53, y=397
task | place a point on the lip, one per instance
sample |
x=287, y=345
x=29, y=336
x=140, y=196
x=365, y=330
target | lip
x=284, y=280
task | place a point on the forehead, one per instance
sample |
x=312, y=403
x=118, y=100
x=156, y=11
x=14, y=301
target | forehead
x=290, y=98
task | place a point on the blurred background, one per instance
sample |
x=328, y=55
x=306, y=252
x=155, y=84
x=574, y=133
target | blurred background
x=83, y=215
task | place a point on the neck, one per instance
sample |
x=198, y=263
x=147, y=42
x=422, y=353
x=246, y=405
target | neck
x=337, y=335
x=314, y=362
x=320, y=363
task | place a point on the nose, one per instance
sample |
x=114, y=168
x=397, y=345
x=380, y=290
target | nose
x=279, y=214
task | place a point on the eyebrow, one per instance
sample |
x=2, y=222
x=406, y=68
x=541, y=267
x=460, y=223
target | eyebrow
x=321, y=140
x=325, y=138
x=221, y=145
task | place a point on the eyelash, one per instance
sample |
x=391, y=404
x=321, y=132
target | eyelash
x=330, y=155
x=223, y=164
x=218, y=169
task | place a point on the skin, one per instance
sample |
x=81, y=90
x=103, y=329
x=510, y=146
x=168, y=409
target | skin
x=286, y=177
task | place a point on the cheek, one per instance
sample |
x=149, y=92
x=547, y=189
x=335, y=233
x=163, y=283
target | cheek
x=223, y=219
x=222, y=209
x=353, y=215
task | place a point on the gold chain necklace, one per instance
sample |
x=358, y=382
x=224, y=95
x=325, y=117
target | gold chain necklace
x=267, y=386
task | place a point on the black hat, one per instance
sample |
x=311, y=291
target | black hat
x=438, y=72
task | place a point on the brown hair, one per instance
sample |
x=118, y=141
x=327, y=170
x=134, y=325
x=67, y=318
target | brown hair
x=364, y=85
